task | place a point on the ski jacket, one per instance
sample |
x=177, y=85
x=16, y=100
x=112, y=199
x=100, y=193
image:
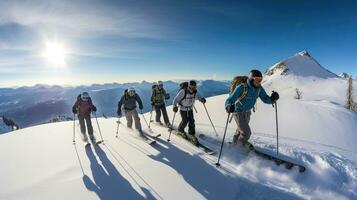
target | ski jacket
x=186, y=99
x=129, y=102
x=247, y=103
x=83, y=107
x=158, y=96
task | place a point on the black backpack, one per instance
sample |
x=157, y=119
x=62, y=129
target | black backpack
x=184, y=86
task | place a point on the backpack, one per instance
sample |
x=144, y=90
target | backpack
x=237, y=81
x=184, y=86
x=241, y=80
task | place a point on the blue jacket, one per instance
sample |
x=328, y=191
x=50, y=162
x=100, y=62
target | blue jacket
x=248, y=102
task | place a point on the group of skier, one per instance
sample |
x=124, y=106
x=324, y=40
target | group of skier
x=244, y=92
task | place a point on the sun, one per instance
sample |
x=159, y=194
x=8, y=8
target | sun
x=55, y=54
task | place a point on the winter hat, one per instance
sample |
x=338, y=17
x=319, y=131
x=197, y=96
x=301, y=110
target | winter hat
x=255, y=73
x=85, y=96
x=192, y=83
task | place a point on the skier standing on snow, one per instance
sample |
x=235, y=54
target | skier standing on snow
x=128, y=104
x=158, y=98
x=185, y=99
x=242, y=100
x=83, y=108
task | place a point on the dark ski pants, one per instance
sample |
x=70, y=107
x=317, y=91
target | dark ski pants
x=87, y=119
x=243, y=130
x=158, y=110
x=187, y=118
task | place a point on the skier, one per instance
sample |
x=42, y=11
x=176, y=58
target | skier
x=128, y=104
x=185, y=99
x=83, y=108
x=242, y=100
x=158, y=98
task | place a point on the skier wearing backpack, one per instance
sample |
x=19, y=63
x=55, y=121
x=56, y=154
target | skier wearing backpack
x=128, y=104
x=244, y=93
x=158, y=98
x=185, y=99
x=83, y=108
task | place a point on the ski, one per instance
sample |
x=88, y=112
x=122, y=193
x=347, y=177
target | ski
x=154, y=136
x=195, y=143
x=86, y=144
x=143, y=137
x=99, y=142
x=278, y=160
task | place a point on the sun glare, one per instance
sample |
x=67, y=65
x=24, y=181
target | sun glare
x=55, y=54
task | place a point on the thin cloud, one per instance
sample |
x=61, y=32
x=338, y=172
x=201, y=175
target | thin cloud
x=83, y=19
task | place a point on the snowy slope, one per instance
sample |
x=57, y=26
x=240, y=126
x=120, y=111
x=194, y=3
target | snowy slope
x=131, y=169
x=51, y=167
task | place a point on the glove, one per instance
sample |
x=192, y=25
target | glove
x=274, y=96
x=152, y=103
x=74, y=110
x=94, y=109
x=119, y=113
x=203, y=100
x=141, y=107
x=230, y=108
x=167, y=96
x=175, y=109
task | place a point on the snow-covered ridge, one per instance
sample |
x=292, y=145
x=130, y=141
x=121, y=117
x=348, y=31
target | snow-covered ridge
x=301, y=64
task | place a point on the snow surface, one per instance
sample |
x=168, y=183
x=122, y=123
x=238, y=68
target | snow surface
x=42, y=163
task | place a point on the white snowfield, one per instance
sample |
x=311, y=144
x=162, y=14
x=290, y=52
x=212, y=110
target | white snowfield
x=317, y=131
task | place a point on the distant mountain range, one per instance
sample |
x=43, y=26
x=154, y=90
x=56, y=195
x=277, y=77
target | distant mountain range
x=38, y=104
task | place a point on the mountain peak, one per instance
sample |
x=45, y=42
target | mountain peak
x=301, y=64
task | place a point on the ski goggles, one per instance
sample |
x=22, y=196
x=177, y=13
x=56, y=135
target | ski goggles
x=258, y=79
x=131, y=93
x=191, y=87
x=85, y=98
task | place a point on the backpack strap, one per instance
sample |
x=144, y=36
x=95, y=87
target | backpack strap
x=243, y=94
x=184, y=97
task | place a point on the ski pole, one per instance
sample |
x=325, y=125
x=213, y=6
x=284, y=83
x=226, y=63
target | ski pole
x=100, y=132
x=74, y=128
x=194, y=107
x=224, y=136
x=172, y=124
x=118, y=127
x=145, y=119
x=204, y=105
x=277, y=128
x=152, y=108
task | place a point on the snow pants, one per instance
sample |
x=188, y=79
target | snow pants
x=243, y=130
x=87, y=119
x=130, y=114
x=187, y=118
x=158, y=110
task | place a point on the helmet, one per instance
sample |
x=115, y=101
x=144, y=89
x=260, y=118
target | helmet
x=255, y=73
x=131, y=91
x=160, y=83
x=85, y=96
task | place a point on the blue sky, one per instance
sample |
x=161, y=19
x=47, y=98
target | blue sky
x=124, y=41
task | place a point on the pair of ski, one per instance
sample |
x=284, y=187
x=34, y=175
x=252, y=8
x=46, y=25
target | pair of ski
x=195, y=142
x=148, y=138
x=277, y=159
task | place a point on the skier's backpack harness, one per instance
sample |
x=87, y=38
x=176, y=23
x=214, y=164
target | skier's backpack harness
x=184, y=86
x=237, y=81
